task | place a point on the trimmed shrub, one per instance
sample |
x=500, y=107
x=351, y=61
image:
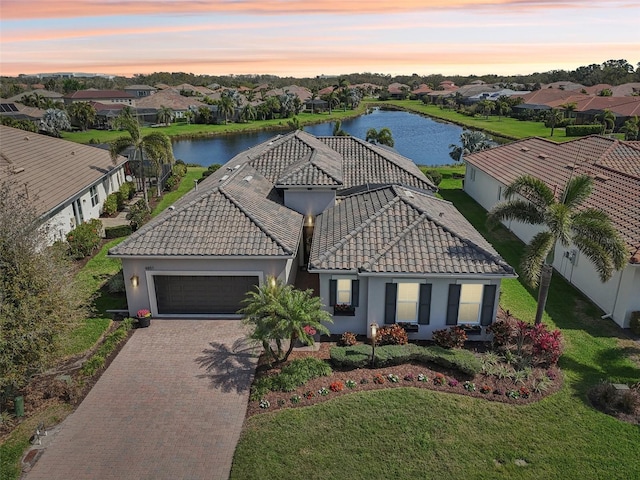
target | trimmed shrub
x=503, y=331
x=434, y=175
x=110, y=206
x=170, y=183
x=359, y=356
x=453, y=337
x=179, y=169
x=84, y=239
x=347, y=339
x=391, y=335
x=138, y=214
x=583, y=130
x=292, y=376
x=118, y=231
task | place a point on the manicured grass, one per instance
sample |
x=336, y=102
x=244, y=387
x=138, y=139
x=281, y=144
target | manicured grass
x=197, y=130
x=504, y=127
x=415, y=433
x=187, y=183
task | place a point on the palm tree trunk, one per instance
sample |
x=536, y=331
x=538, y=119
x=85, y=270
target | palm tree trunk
x=543, y=291
x=144, y=180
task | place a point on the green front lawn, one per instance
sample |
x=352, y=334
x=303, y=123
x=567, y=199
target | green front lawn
x=416, y=433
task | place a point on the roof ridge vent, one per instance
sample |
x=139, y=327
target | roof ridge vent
x=543, y=155
x=224, y=178
x=524, y=149
x=600, y=176
x=248, y=178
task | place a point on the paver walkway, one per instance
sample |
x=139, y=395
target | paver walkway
x=170, y=406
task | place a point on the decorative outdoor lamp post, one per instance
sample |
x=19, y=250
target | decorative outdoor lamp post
x=373, y=331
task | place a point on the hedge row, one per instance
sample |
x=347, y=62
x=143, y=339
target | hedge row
x=582, y=130
x=118, y=231
x=359, y=356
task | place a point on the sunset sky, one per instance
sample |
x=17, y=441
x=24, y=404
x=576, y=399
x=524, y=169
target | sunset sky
x=309, y=38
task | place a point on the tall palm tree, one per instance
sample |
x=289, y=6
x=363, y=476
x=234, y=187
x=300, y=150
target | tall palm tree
x=471, y=141
x=248, y=113
x=165, y=115
x=83, y=113
x=314, y=94
x=338, y=131
x=569, y=107
x=554, y=117
x=155, y=146
x=607, y=119
x=566, y=221
x=630, y=129
x=486, y=106
x=225, y=107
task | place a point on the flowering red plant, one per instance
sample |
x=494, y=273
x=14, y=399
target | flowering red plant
x=309, y=330
x=336, y=386
x=143, y=312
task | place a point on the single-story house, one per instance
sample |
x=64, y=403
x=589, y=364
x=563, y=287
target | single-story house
x=615, y=168
x=101, y=96
x=67, y=182
x=362, y=219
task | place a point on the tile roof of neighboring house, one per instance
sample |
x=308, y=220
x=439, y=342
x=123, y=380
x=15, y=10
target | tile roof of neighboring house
x=614, y=165
x=42, y=92
x=626, y=89
x=563, y=85
x=53, y=170
x=20, y=111
x=168, y=98
x=92, y=94
x=397, y=88
x=302, y=92
x=596, y=89
x=326, y=90
x=395, y=230
x=622, y=106
x=230, y=214
x=139, y=87
x=162, y=86
x=422, y=88
x=546, y=95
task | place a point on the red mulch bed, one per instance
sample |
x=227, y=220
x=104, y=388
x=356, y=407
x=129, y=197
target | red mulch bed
x=280, y=400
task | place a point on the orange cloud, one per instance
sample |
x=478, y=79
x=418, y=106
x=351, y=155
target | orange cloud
x=25, y=9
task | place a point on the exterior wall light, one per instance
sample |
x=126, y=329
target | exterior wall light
x=373, y=331
x=135, y=281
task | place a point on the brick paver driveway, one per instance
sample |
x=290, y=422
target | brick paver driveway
x=170, y=406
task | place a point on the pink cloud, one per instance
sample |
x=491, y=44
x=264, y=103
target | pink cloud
x=21, y=9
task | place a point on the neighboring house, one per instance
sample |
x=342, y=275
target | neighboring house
x=140, y=91
x=361, y=219
x=615, y=168
x=18, y=111
x=66, y=182
x=167, y=98
x=399, y=90
x=101, y=96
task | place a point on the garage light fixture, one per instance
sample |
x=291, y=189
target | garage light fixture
x=135, y=281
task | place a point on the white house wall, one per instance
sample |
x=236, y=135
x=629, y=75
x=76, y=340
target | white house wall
x=309, y=202
x=372, y=305
x=143, y=295
x=484, y=189
x=64, y=221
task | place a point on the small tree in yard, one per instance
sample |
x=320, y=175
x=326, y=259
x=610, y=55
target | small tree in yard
x=278, y=312
x=39, y=298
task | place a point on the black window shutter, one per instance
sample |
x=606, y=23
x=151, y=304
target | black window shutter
x=453, y=305
x=424, y=309
x=391, y=296
x=355, y=292
x=488, y=302
x=333, y=290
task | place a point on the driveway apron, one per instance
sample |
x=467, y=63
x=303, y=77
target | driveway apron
x=170, y=406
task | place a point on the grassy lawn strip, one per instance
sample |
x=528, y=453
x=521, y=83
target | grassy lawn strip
x=183, y=130
x=416, y=433
x=186, y=184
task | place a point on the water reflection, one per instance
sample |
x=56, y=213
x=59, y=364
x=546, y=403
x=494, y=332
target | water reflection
x=421, y=139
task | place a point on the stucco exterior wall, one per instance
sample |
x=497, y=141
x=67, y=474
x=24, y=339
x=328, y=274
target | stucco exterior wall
x=614, y=297
x=372, y=305
x=309, y=202
x=143, y=296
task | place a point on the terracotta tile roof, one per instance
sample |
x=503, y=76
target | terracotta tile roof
x=422, y=88
x=397, y=88
x=547, y=95
x=230, y=214
x=614, y=165
x=168, y=98
x=53, y=170
x=99, y=95
x=394, y=230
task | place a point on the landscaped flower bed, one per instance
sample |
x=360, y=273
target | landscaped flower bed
x=504, y=387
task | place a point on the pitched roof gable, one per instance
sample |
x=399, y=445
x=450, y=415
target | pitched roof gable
x=231, y=214
x=614, y=165
x=393, y=230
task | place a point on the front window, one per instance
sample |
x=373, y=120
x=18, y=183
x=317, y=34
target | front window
x=93, y=191
x=407, y=306
x=344, y=291
x=470, y=303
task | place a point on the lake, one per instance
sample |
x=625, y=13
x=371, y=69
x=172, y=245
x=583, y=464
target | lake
x=419, y=138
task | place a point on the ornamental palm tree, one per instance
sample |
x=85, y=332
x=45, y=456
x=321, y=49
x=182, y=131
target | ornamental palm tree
x=155, y=146
x=165, y=115
x=607, y=119
x=225, y=107
x=383, y=136
x=565, y=221
x=279, y=312
x=472, y=141
x=83, y=113
x=554, y=117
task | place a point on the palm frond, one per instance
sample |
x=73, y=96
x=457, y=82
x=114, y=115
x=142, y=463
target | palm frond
x=558, y=219
x=532, y=189
x=593, y=225
x=577, y=190
x=520, y=210
x=119, y=145
x=535, y=255
x=598, y=255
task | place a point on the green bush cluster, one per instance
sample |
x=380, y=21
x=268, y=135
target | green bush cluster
x=127, y=190
x=111, y=341
x=359, y=356
x=179, y=169
x=293, y=375
x=212, y=169
x=583, y=130
x=138, y=214
x=432, y=174
x=563, y=123
x=111, y=204
x=84, y=239
x=117, y=231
